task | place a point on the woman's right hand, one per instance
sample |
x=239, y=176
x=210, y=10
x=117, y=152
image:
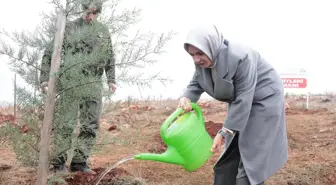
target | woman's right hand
x=217, y=143
x=185, y=104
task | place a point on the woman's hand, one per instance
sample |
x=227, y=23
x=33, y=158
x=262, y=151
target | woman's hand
x=185, y=104
x=217, y=143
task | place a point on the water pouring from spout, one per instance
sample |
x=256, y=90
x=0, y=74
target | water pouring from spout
x=101, y=176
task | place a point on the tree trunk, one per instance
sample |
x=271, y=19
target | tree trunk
x=43, y=164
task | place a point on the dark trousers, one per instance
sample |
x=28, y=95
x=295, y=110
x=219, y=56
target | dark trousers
x=230, y=170
x=90, y=110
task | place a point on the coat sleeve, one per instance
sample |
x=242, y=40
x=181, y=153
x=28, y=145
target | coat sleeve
x=110, y=66
x=46, y=63
x=47, y=56
x=245, y=82
x=193, y=91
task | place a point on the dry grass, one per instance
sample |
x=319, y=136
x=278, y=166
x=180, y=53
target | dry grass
x=312, y=144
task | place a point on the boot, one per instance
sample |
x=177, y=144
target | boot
x=61, y=169
x=82, y=167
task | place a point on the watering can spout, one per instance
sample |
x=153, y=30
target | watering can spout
x=170, y=156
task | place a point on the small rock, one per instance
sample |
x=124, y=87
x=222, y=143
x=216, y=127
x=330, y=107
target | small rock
x=134, y=107
x=149, y=108
x=112, y=127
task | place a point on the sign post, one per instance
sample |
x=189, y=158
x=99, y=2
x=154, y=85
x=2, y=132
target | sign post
x=296, y=79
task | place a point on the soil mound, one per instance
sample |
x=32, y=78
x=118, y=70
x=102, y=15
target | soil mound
x=213, y=128
x=6, y=118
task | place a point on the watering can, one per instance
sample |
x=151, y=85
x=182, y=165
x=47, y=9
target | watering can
x=188, y=142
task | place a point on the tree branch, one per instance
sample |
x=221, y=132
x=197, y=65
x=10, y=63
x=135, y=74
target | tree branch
x=17, y=59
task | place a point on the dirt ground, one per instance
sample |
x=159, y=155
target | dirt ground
x=134, y=128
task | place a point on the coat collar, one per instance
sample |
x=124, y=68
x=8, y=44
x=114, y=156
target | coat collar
x=220, y=87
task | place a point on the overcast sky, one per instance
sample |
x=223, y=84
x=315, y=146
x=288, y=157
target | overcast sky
x=290, y=34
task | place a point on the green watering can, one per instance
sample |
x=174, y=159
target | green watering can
x=188, y=141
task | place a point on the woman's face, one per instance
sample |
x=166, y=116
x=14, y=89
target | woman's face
x=199, y=57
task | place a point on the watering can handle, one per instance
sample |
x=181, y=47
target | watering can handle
x=175, y=114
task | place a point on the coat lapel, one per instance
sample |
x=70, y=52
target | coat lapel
x=205, y=79
x=221, y=67
x=223, y=87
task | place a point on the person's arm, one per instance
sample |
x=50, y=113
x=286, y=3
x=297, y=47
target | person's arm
x=245, y=83
x=193, y=91
x=110, y=65
x=47, y=56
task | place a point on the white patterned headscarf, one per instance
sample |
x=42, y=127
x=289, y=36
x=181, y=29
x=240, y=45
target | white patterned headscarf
x=208, y=39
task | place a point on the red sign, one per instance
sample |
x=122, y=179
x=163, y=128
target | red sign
x=298, y=83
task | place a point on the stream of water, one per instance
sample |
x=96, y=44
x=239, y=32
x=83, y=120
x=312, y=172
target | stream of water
x=101, y=176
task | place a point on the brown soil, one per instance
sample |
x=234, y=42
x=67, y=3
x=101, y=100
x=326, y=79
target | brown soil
x=307, y=111
x=4, y=118
x=213, y=127
x=130, y=130
x=10, y=119
x=158, y=146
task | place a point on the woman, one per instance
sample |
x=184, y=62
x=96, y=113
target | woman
x=254, y=130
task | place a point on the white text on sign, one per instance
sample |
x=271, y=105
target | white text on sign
x=294, y=82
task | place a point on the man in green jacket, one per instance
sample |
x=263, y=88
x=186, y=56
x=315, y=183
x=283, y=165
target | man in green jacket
x=86, y=37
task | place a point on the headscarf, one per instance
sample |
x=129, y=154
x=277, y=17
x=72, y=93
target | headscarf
x=208, y=39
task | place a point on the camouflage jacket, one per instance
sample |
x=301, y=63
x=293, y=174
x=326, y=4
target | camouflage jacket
x=88, y=47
